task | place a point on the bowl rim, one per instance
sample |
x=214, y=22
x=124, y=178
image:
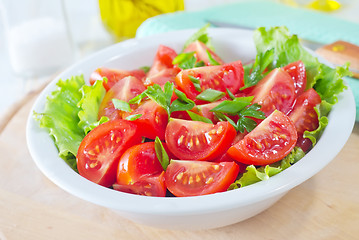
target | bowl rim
x=341, y=119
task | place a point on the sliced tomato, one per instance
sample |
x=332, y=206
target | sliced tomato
x=165, y=56
x=161, y=76
x=193, y=140
x=162, y=69
x=205, y=111
x=201, y=54
x=147, y=185
x=139, y=171
x=100, y=151
x=297, y=72
x=125, y=89
x=219, y=77
x=153, y=120
x=114, y=75
x=275, y=91
x=194, y=178
x=269, y=142
x=305, y=117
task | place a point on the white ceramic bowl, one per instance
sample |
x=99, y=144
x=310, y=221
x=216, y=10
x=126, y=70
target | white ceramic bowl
x=200, y=212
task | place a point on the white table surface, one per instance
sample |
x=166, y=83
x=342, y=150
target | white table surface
x=90, y=36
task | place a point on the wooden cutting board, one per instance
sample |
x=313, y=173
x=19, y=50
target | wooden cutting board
x=33, y=208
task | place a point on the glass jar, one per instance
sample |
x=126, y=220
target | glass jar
x=122, y=17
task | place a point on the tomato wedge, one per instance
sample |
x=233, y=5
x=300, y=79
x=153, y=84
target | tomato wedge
x=162, y=69
x=147, y=185
x=201, y=54
x=125, y=89
x=218, y=77
x=153, y=120
x=193, y=140
x=194, y=178
x=275, y=91
x=304, y=116
x=269, y=142
x=101, y=149
x=114, y=75
x=139, y=171
x=297, y=72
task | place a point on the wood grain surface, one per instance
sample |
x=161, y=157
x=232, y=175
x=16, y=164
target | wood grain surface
x=32, y=207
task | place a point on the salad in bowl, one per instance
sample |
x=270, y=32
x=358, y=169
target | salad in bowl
x=194, y=119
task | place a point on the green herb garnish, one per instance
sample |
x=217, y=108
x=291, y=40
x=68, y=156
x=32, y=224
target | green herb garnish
x=196, y=117
x=210, y=95
x=133, y=117
x=161, y=154
x=121, y=105
x=196, y=83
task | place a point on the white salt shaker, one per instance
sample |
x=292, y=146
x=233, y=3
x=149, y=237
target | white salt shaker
x=38, y=37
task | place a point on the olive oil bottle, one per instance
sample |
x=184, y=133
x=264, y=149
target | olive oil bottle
x=122, y=17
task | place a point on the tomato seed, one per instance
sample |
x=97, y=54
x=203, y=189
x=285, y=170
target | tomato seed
x=215, y=167
x=209, y=180
x=179, y=176
x=190, y=180
x=180, y=140
x=219, y=130
x=190, y=143
x=93, y=164
x=197, y=141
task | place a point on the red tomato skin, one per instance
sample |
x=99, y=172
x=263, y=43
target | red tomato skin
x=275, y=91
x=269, y=142
x=226, y=158
x=153, y=121
x=305, y=117
x=114, y=75
x=100, y=151
x=140, y=172
x=165, y=55
x=218, y=77
x=162, y=69
x=200, y=50
x=147, y=185
x=192, y=140
x=298, y=73
x=137, y=161
x=194, y=178
x=125, y=89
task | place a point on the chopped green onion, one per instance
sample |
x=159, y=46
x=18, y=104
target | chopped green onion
x=121, y=105
x=182, y=103
x=230, y=94
x=210, y=95
x=196, y=117
x=196, y=83
x=212, y=61
x=133, y=117
x=161, y=154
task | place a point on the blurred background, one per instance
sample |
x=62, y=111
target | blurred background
x=91, y=25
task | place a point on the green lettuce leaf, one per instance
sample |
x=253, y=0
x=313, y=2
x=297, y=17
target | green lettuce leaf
x=287, y=48
x=330, y=84
x=61, y=118
x=322, y=110
x=89, y=106
x=256, y=174
x=70, y=113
